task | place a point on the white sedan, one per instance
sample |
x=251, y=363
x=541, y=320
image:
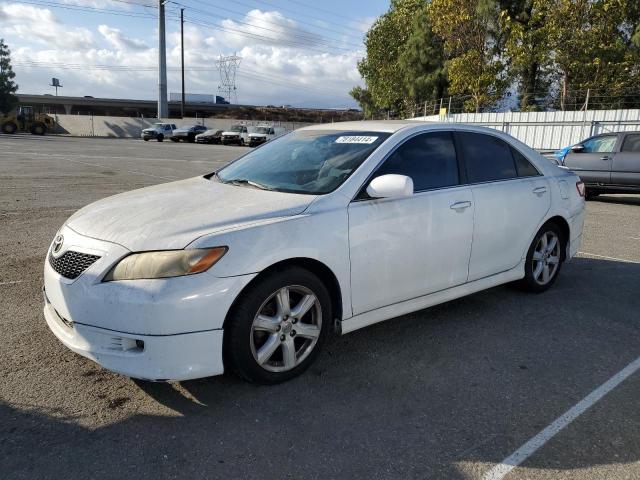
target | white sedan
x=329, y=228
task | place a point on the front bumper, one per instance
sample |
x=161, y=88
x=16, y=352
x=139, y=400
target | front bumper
x=148, y=357
x=226, y=140
x=255, y=141
x=179, y=319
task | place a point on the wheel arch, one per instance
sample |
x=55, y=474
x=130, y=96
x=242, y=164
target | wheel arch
x=321, y=270
x=563, y=225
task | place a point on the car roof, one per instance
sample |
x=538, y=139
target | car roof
x=390, y=126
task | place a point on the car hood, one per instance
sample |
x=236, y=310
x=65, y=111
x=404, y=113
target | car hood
x=172, y=215
x=258, y=135
x=231, y=133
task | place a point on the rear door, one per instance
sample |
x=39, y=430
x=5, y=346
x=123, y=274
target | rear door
x=510, y=198
x=593, y=164
x=626, y=163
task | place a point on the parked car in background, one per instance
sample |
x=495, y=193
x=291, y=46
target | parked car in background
x=188, y=133
x=263, y=133
x=236, y=135
x=607, y=163
x=159, y=132
x=210, y=136
x=334, y=226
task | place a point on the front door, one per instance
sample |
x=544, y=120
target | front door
x=403, y=248
x=593, y=163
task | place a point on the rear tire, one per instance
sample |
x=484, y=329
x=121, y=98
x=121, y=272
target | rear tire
x=241, y=142
x=146, y=139
x=544, y=259
x=9, y=128
x=160, y=138
x=277, y=326
x=191, y=138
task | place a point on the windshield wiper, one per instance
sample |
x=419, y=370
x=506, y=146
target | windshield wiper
x=244, y=181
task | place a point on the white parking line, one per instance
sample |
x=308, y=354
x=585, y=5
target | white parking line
x=11, y=283
x=525, y=451
x=607, y=258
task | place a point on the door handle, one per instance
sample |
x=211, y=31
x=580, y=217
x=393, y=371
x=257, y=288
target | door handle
x=540, y=190
x=459, y=206
x=605, y=158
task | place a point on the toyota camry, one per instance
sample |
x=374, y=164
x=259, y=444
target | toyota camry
x=327, y=229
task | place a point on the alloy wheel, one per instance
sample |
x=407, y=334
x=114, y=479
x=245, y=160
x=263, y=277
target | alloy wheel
x=546, y=258
x=286, y=328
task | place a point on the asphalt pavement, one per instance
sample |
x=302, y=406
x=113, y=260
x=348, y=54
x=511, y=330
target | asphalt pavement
x=447, y=392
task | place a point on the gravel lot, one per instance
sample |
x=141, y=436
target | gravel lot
x=442, y=393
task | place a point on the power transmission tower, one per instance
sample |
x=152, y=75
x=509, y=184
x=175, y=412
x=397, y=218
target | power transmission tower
x=228, y=67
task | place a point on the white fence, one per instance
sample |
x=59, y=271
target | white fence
x=549, y=130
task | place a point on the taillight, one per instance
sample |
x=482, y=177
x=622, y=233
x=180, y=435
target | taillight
x=580, y=188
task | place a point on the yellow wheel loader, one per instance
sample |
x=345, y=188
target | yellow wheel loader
x=24, y=119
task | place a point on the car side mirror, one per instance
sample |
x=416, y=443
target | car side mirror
x=390, y=186
x=577, y=148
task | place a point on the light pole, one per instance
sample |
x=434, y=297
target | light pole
x=163, y=108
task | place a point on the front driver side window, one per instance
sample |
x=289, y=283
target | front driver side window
x=429, y=159
x=604, y=144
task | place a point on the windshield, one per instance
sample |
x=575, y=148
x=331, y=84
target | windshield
x=307, y=161
x=236, y=128
x=262, y=130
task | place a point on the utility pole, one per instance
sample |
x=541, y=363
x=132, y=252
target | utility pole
x=163, y=108
x=182, y=57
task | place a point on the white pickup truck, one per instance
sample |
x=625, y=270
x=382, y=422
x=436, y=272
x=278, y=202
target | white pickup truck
x=159, y=131
x=263, y=133
x=237, y=134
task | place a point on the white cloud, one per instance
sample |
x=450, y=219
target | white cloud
x=267, y=28
x=27, y=22
x=121, y=42
x=278, y=71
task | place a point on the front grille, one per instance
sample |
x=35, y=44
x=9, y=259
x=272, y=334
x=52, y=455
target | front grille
x=71, y=264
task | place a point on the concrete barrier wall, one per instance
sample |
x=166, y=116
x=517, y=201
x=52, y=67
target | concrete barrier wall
x=130, y=127
x=549, y=130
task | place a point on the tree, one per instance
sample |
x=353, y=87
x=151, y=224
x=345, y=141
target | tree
x=384, y=43
x=363, y=97
x=8, y=100
x=422, y=61
x=472, y=39
x=527, y=51
x=593, y=45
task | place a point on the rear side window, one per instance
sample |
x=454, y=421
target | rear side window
x=523, y=166
x=429, y=159
x=486, y=157
x=631, y=144
x=602, y=144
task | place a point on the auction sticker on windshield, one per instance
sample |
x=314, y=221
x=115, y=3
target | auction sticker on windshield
x=356, y=139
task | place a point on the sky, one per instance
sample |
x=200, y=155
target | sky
x=293, y=52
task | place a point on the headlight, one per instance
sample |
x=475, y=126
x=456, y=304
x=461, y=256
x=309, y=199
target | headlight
x=170, y=263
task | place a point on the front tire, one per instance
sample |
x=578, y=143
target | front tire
x=277, y=327
x=544, y=259
x=160, y=138
x=38, y=129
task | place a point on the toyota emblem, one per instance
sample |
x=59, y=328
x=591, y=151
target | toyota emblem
x=57, y=243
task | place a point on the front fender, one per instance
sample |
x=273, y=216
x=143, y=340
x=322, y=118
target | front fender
x=322, y=236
